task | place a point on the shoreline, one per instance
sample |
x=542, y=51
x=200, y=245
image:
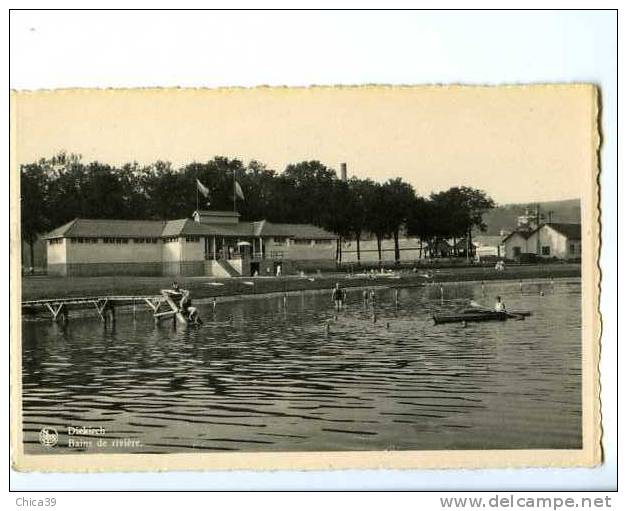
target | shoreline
x=130, y=309
x=295, y=285
x=42, y=288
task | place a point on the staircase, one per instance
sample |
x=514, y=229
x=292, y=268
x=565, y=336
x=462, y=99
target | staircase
x=226, y=266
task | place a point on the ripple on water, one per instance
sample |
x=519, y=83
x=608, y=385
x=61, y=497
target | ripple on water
x=276, y=380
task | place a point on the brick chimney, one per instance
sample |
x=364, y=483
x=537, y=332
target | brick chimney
x=343, y=175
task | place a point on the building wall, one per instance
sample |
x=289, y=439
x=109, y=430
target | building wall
x=559, y=245
x=516, y=240
x=295, y=251
x=192, y=250
x=131, y=252
x=56, y=255
x=171, y=251
x=146, y=269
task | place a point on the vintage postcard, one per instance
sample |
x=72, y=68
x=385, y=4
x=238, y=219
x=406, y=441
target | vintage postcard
x=305, y=278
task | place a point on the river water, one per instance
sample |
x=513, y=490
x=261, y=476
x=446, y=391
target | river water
x=263, y=374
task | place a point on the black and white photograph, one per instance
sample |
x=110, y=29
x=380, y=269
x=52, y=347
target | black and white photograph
x=341, y=272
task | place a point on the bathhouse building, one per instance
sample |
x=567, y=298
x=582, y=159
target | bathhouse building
x=213, y=243
x=550, y=240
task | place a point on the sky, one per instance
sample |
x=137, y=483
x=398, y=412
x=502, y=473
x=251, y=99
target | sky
x=517, y=143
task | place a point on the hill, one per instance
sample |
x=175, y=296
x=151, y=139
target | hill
x=505, y=216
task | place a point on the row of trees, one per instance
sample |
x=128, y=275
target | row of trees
x=57, y=190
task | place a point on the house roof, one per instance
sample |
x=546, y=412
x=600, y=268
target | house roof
x=90, y=228
x=87, y=228
x=524, y=233
x=570, y=231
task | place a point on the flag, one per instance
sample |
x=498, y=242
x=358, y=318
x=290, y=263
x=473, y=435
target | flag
x=202, y=188
x=238, y=191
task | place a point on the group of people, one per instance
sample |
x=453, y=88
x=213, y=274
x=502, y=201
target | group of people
x=339, y=296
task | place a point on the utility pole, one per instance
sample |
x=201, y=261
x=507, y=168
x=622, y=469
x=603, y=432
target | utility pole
x=538, y=229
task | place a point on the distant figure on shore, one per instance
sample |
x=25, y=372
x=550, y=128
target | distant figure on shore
x=372, y=296
x=338, y=296
x=365, y=295
x=499, y=306
x=500, y=266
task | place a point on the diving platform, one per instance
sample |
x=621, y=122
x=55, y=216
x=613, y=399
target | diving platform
x=162, y=306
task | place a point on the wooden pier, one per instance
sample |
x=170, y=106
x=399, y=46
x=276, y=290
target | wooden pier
x=163, y=306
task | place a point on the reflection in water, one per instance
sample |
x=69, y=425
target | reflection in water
x=276, y=378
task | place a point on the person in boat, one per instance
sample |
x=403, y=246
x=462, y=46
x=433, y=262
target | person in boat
x=190, y=312
x=338, y=296
x=499, y=306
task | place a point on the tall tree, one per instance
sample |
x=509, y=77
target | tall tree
x=362, y=194
x=35, y=213
x=399, y=197
x=461, y=210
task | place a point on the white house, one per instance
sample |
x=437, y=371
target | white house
x=214, y=243
x=559, y=240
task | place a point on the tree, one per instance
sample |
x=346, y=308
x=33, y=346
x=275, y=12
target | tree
x=398, y=198
x=311, y=185
x=35, y=215
x=376, y=209
x=337, y=213
x=361, y=195
x=461, y=210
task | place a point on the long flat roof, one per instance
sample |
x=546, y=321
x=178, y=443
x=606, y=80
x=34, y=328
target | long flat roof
x=101, y=228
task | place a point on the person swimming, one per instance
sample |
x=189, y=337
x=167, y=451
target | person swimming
x=499, y=306
x=338, y=296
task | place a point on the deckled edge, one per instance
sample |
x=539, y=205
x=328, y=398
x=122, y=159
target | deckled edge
x=588, y=456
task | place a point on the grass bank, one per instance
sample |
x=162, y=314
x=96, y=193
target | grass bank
x=44, y=287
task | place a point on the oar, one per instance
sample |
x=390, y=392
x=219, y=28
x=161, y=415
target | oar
x=479, y=306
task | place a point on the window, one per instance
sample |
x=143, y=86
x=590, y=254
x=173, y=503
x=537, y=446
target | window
x=517, y=251
x=572, y=249
x=170, y=239
x=546, y=250
x=302, y=242
x=55, y=241
x=139, y=240
x=324, y=242
x=280, y=240
x=192, y=239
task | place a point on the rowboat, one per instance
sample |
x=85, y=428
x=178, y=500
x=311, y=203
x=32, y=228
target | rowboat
x=478, y=315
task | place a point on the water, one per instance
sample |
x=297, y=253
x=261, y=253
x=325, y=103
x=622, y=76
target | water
x=275, y=380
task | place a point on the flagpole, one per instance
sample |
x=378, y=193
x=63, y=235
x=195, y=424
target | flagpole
x=196, y=195
x=234, y=196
